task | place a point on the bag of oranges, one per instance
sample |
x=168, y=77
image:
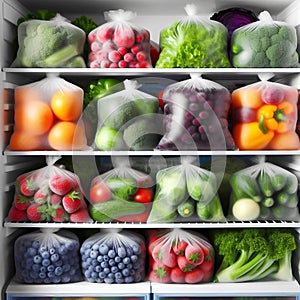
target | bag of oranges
x=48, y=116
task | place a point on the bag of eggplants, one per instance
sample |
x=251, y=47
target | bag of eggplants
x=195, y=116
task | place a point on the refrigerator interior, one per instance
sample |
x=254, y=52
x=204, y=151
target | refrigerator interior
x=152, y=15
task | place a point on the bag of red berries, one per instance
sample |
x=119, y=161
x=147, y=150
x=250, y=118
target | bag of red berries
x=118, y=43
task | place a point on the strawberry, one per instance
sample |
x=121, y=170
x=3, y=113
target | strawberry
x=71, y=202
x=159, y=273
x=184, y=264
x=37, y=212
x=55, y=199
x=104, y=33
x=207, y=265
x=16, y=215
x=124, y=37
x=21, y=202
x=194, y=254
x=60, y=184
x=166, y=256
x=59, y=215
x=41, y=196
x=80, y=216
x=194, y=276
x=177, y=275
x=179, y=247
x=28, y=187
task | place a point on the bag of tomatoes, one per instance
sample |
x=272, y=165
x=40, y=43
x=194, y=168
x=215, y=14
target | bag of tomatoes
x=48, y=116
x=122, y=194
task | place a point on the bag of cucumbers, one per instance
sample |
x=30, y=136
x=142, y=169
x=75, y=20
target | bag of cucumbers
x=186, y=193
x=264, y=191
x=122, y=194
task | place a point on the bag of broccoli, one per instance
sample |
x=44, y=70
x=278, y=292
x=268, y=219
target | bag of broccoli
x=186, y=193
x=48, y=116
x=264, y=191
x=47, y=256
x=50, y=44
x=119, y=43
x=195, y=116
x=193, y=42
x=113, y=256
x=128, y=119
x=264, y=44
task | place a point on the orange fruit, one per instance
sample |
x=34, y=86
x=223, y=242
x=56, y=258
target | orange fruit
x=23, y=141
x=67, y=136
x=33, y=116
x=67, y=105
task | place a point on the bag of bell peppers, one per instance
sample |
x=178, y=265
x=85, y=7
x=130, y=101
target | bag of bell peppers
x=264, y=116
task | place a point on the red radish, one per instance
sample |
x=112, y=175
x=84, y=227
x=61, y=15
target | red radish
x=207, y=266
x=194, y=276
x=41, y=196
x=177, y=275
x=135, y=49
x=159, y=273
x=179, y=247
x=60, y=215
x=95, y=46
x=104, y=64
x=16, y=215
x=162, y=254
x=108, y=46
x=128, y=57
x=194, y=254
x=122, y=51
x=101, y=55
x=104, y=33
x=133, y=64
x=184, y=264
x=124, y=37
x=80, y=216
x=142, y=64
x=71, y=202
x=141, y=56
x=114, y=56
x=94, y=64
x=60, y=184
x=92, y=36
x=122, y=64
x=113, y=65
x=21, y=202
x=139, y=37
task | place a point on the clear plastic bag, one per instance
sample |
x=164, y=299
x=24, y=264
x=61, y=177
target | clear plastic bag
x=119, y=43
x=195, y=116
x=186, y=193
x=264, y=116
x=264, y=44
x=264, y=191
x=48, y=116
x=47, y=256
x=49, y=194
x=180, y=256
x=128, y=119
x=50, y=44
x=113, y=256
x=122, y=194
x=193, y=42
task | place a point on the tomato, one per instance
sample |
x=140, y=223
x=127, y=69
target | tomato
x=100, y=192
x=143, y=195
x=160, y=100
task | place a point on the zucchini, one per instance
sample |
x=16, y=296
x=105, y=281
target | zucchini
x=186, y=208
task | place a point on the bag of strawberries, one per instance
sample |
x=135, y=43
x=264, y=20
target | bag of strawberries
x=49, y=194
x=180, y=256
x=119, y=43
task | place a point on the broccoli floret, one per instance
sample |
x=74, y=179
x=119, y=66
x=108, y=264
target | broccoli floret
x=278, y=54
x=253, y=254
x=288, y=33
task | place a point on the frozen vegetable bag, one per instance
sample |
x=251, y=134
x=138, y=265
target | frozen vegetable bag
x=128, y=119
x=186, y=193
x=264, y=116
x=119, y=43
x=180, y=256
x=193, y=42
x=47, y=256
x=50, y=44
x=49, y=194
x=195, y=116
x=264, y=191
x=113, y=256
x=264, y=44
x=48, y=116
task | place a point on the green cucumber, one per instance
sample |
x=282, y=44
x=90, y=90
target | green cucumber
x=291, y=185
x=211, y=211
x=122, y=188
x=265, y=183
x=186, y=208
x=278, y=181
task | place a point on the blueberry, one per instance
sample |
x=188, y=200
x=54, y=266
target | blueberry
x=114, y=269
x=99, y=258
x=45, y=254
x=54, y=257
x=42, y=275
x=103, y=249
x=62, y=250
x=106, y=270
x=128, y=279
x=35, y=267
x=111, y=275
x=36, y=244
x=47, y=280
x=97, y=269
x=46, y=262
x=51, y=274
x=34, y=275
x=66, y=278
x=125, y=272
x=94, y=275
x=121, y=252
x=104, y=264
x=58, y=263
x=50, y=268
x=117, y=259
x=93, y=254
x=137, y=249
x=55, y=279
x=89, y=260
x=66, y=267
x=58, y=271
x=129, y=251
x=31, y=251
x=70, y=246
x=121, y=266
x=118, y=275
x=119, y=280
x=129, y=266
x=111, y=262
x=95, y=247
x=94, y=262
x=91, y=268
x=87, y=274
x=108, y=280
x=126, y=260
x=134, y=258
x=52, y=250
x=37, y=259
x=102, y=274
x=43, y=269
x=43, y=249
x=111, y=253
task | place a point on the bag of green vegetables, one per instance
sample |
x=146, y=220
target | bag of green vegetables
x=186, y=193
x=193, y=42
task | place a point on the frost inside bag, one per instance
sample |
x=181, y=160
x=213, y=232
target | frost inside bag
x=50, y=44
x=264, y=191
x=180, y=256
x=47, y=256
x=113, y=256
x=186, y=193
x=193, y=42
x=195, y=116
x=119, y=43
x=122, y=194
x=48, y=116
x=264, y=116
x=128, y=119
x=264, y=44
x=49, y=194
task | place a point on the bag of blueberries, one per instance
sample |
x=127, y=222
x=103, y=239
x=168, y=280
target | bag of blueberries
x=196, y=116
x=47, y=256
x=113, y=256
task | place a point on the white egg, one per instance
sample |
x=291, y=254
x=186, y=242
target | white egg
x=246, y=209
